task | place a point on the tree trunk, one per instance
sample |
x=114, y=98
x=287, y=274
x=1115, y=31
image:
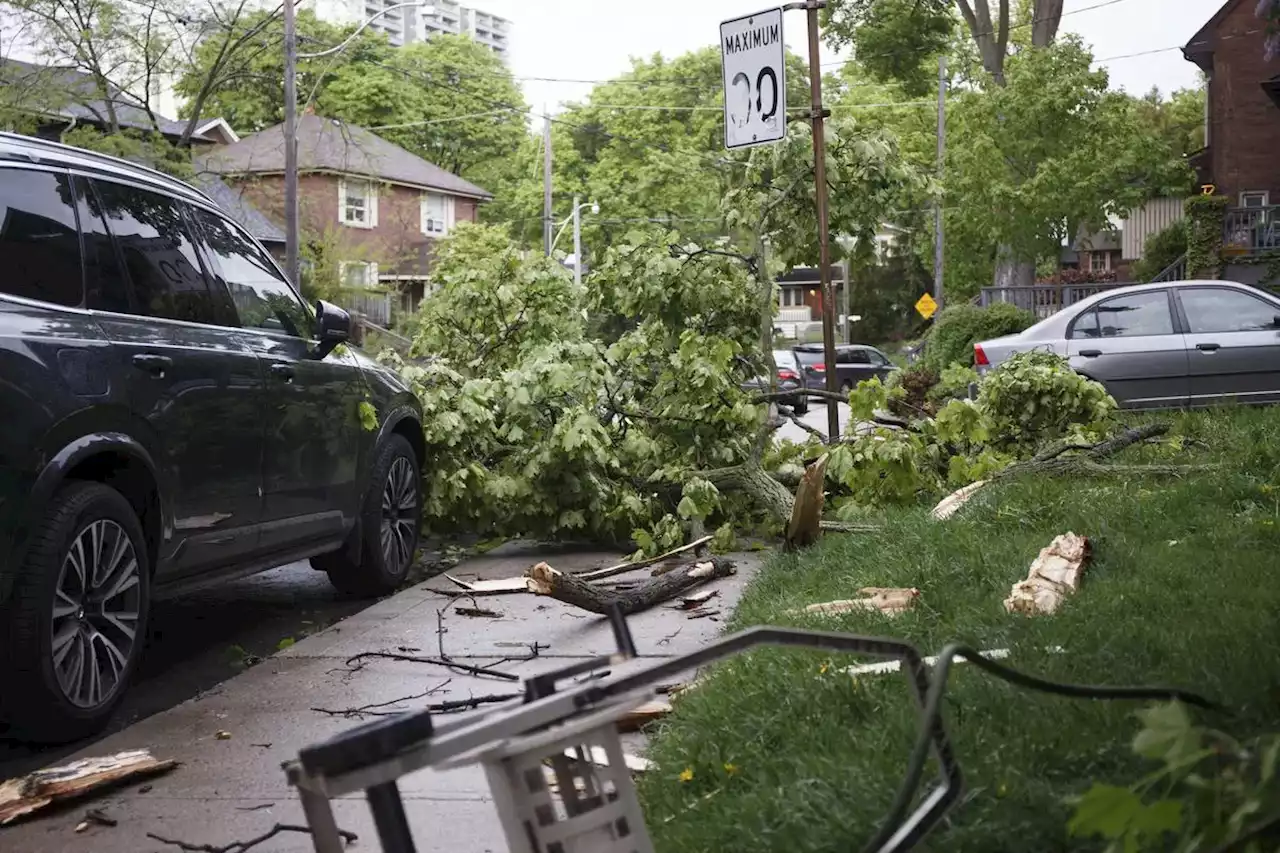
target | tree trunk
x=1045, y=20
x=749, y=477
x=1013, y=273
x=544, y=580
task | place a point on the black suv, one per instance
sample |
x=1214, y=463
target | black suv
x=171, y=414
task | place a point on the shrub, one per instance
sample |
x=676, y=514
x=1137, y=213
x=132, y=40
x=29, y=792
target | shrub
x=1161, y=250
x=957, y=329
x=915, y=384
x=1036, y=397
x=953, y=384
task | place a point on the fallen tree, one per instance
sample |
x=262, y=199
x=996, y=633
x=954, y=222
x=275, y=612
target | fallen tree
x=544, y=580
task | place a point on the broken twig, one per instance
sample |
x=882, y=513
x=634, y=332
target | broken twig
x=242, y=846
x=378, y=709
x=632, y=565
x=483, y=672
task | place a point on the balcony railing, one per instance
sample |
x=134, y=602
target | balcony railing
x=1044, y=300
x=1251, y=230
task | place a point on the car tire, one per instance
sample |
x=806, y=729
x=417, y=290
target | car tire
x=801, y=408
x=390, y=525
x=71, y=607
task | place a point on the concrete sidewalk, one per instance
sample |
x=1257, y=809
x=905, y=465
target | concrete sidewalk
x=235, y=789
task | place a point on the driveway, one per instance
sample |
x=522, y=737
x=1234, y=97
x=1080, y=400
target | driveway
x=817, y=418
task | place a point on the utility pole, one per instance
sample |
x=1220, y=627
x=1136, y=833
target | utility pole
x=937, y=204
x=846, y=268
x=816, y=115
x=546, y=182
x=291, y=144
x=577, y=242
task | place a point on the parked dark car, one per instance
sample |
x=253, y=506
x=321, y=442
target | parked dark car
x=789, y=379
x=854, y=363
x=1165, y=345
x=173, y=414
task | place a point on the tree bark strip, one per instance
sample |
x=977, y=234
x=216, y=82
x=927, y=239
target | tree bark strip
x=544, y=580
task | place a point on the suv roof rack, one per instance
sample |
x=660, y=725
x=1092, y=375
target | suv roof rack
x=59, y=148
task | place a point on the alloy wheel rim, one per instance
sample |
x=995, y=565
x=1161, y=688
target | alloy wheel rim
x=399, y=514
x=96, y=610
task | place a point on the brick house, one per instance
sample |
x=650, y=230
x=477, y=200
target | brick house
x=1242, y=121
x=374, y=207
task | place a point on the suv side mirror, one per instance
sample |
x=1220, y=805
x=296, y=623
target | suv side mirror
x=333, y=327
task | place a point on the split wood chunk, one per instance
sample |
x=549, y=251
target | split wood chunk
x=888, y=600
x=1053, y=576
x=26, y=794
x=649, y=712
x=805, y=525
x=542, y=579
x=951, y=504
x=497, y=586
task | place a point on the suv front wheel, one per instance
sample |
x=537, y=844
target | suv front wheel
x=77, y=616
x=390, y=524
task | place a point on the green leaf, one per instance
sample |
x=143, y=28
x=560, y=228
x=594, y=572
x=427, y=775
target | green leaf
x=1168, y=734
x=368, y=416
x=1105, y=810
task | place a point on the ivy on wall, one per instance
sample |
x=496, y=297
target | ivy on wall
x=1204, y=216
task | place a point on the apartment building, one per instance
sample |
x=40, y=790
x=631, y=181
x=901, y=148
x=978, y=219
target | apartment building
x=492, y=31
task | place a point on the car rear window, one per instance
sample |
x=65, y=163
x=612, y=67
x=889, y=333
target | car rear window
x=809, y=356
x=39, y=241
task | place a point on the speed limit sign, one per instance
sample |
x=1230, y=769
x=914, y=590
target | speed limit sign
x=753, y=58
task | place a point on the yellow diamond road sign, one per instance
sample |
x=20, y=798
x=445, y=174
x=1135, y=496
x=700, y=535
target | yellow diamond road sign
x=926, y=306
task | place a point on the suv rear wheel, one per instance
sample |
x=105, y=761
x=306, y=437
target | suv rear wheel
x=77, y=616
x=390, y=524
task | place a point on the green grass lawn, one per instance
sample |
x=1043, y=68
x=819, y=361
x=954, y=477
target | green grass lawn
x=1184, y=589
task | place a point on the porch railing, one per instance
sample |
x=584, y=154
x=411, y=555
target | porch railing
x=1044, y=300
x=1176, y=271
x=374, y=306
x=1251, y=230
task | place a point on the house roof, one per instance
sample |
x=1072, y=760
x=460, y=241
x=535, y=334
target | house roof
x=329, y=145
x=1200, y=48
x=235, y=206
x=83, y=101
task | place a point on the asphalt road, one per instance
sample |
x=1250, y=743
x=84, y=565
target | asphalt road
x=202, y=639
x=817, y=418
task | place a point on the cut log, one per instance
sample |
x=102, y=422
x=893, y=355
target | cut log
x=751, y=479
x=805, y=524
x=887, y=600
x=544, y=580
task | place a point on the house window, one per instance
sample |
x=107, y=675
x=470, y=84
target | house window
x=1099, y=261
x=1255, y=198
x=358, y=203
x=437, y=214
x=357, y=275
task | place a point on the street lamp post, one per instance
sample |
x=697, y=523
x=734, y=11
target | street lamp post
x=291, y=57
x=576, y=219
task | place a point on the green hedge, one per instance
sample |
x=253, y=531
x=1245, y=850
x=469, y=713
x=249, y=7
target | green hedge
x=1161, y=250
x=957, y=329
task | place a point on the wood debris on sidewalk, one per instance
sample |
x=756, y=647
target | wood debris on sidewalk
x=26, y=794
x=1054, y=575
x=498, y=586
x=649, y=712
x=888, y=600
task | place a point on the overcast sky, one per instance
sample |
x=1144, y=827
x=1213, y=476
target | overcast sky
x=593, y=39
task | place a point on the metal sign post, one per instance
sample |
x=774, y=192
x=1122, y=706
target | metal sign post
x=816, y=114
x=753, y=61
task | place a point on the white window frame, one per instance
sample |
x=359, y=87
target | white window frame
x=447, y=213
x=370, y=273
x=370, y=198
x=1261, y=195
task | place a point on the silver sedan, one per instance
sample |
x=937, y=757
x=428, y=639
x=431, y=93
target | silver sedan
x=1166, y=345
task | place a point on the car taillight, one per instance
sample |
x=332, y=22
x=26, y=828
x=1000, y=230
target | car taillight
x=980, y=357
x=818, y=368
x=787, y=374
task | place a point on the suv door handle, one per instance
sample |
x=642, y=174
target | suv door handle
x=1090, y=353
x=156, y=365
x=1208, y=347
x=283, y=370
